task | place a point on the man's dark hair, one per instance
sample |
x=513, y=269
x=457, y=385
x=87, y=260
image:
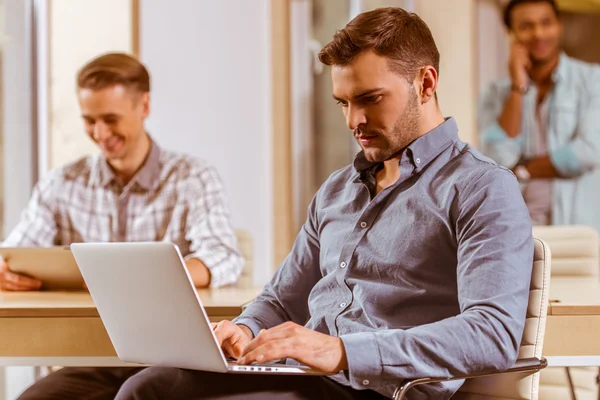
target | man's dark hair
x=514, y=3
x=394, y=33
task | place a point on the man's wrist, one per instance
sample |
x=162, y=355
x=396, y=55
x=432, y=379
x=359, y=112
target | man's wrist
x=519, y=88
x=246, y=330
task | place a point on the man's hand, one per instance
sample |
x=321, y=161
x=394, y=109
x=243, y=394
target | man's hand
x=10, y=281
x=232, y=338
x=519, y=64
x=289, y=340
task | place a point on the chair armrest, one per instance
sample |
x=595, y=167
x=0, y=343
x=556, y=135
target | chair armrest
x=523, y=365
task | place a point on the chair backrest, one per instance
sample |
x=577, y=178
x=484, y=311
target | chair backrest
x=246, y=247
x=521, y=386
x=575, y=249
x=575, y=252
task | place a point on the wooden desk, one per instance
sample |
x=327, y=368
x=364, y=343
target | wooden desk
x=573, y=327
x=58, y=328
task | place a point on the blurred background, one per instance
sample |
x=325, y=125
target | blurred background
x=236, y=82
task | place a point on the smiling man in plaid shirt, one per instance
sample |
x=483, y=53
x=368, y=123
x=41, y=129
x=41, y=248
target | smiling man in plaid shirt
x=132, y=191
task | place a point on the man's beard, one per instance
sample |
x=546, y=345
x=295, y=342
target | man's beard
x=405, y=130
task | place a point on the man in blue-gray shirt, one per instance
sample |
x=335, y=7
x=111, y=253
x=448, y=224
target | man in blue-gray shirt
x=414, y=261
x=543, y=120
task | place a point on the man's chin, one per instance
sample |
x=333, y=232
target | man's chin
x=540, y=59
x=113, y=156
x=374, y=156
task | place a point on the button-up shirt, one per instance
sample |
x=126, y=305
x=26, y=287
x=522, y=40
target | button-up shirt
x=173, y=197
x=429, y=277
x=573, y=137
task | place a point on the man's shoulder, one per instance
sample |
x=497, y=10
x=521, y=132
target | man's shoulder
x=581, y=67
x=473, y=169
x=183, y=166
x=471, y=165
x=74, y=170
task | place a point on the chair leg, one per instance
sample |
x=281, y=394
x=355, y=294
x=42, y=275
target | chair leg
x=571, y=385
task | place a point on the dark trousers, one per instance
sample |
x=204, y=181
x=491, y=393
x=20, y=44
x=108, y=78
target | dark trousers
x=173, y=384
x=80, y=384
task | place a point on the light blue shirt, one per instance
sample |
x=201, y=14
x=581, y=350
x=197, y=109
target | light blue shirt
x=573, y=137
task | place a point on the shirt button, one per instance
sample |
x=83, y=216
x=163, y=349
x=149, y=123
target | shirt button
x=342, y=305
x=366, y=382
x=343, y=264
x=418, y=160
x=363, y=224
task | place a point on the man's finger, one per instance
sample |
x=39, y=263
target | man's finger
x=23, y=281
x=267, y=336
x=13, y=287
x=271, y=351
x=223, y=331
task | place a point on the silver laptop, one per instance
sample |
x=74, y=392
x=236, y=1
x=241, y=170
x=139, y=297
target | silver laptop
x=151, y=310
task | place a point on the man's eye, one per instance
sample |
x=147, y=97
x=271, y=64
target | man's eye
x=371, y=99
x=342, y=103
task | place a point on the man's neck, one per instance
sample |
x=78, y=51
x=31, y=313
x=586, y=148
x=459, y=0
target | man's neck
x=390, y=172
x=126, y=169
x=541, y=73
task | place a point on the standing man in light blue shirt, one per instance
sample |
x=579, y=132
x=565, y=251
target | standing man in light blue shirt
x=543, y=121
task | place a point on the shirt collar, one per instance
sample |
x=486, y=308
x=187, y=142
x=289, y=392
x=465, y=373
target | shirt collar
x=146, y=177
x=561, y=69
x=422, y=150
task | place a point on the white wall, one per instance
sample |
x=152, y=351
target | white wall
x=17, y=160
x=66, y=138
x=453, y=24
x=211, y=97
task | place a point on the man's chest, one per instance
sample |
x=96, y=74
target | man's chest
x=110, y=215
x=407, y=234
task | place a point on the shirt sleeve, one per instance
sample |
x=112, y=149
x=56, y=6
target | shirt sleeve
x=37, y=226
x=494, y=141
x=209, y=229
x=285, y=297
x=494, y=266
x=582, y=153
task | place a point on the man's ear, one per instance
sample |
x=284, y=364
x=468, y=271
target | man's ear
x=427, y=82
x=145, y=103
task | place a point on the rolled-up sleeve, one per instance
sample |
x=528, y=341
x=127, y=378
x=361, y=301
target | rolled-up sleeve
x=37, y=226
x=495, y=252
x=210, y=232
x=582, y=153
x=494, y=141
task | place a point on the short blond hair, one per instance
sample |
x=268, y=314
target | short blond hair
x=114, y=69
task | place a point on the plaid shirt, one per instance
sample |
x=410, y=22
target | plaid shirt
x=174, y=198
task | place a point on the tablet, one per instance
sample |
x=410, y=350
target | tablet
x=54, y=266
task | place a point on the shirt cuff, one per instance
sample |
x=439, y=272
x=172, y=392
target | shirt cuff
x=252, y=324
x=364, y=359
x=566, y=162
